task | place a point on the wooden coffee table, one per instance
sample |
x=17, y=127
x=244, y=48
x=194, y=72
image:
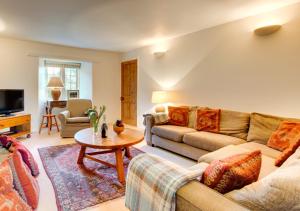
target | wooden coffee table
x=112, y=144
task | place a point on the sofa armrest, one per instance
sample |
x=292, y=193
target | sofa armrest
x=153, y=119
x=63, y=116
x=196, y=196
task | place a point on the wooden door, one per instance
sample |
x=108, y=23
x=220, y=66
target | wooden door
x=129, y=92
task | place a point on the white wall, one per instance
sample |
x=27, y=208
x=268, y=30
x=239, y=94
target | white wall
x=86, y=80
x=19, y=68
x=228, y=67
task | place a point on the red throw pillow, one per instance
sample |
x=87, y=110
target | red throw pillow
x=5, y=141
x=26, y=156
x=286, y=132
x=288, y=152
x=233, y=172
x=178, y=116
x=24, y=182
x=208, y=120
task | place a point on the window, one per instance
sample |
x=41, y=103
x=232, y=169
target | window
x=68, y=72
x=71, y=79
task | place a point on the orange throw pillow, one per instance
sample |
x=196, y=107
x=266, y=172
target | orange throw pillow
x=233, y=172
x=286, y=132
x=208, y=120
x=288, y=152
x=178, y=115
x=6, y=178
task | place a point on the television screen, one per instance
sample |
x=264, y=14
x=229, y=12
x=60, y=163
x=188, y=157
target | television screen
x=11, y=100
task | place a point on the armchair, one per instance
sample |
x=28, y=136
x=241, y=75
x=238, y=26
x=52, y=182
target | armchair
x=74, y=118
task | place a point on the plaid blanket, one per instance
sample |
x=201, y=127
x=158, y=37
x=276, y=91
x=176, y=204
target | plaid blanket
x=152, y=183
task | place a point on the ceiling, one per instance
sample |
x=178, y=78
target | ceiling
x=120, y=25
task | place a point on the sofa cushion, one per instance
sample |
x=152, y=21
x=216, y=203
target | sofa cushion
x=208, y=120
x=178, y=147
x=233, y=172
x=210, y=141
x=277, y=191
x=268, y=151
x=234, y=123
x=263, y=125
x=78, y=120
x=267, y=165
x=78, y=107
x=195, y=196
x=172, y=132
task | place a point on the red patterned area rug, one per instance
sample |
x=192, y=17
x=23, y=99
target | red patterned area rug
x=77, y=187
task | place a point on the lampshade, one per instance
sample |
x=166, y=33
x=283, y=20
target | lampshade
x=159, y=97
x=55, y=82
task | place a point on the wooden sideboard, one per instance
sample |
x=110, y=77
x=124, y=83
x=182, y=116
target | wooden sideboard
x=19, y=125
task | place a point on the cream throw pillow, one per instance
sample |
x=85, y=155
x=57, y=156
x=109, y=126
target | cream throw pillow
x=278, y=191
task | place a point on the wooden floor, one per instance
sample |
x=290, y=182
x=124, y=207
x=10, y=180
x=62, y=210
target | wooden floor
x=47, y=197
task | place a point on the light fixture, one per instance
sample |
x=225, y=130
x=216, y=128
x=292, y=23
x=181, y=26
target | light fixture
x=56, y=84
x=159, y=54
x=2, y=25
x=267, y=30
x=159, y=97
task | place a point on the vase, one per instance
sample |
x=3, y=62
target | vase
x=95, y=129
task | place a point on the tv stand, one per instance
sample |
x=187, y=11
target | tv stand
x=18, y=124
x=7, y=115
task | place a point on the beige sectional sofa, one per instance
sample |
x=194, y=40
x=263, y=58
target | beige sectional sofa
x=192, y=143
x=239, y=132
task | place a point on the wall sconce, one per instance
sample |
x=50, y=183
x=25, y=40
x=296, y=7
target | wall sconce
x=267, y=30
x=159, y=54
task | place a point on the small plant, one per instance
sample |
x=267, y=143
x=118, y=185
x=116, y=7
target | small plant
x=95, y=116
x=119, y=123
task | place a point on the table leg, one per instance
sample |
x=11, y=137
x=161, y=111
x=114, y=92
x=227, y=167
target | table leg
x=120, y=166
x=127, y=153
x=81, y=155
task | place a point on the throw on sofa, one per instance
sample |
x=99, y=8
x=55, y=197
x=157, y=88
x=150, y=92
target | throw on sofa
x=74, y=118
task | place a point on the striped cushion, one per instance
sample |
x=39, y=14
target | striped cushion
x=27, y=157
x=24, y=182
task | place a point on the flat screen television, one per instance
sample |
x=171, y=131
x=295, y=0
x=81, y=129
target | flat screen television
x=11, y=100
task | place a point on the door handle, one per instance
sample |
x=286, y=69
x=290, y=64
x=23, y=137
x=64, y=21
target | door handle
x=122, y=98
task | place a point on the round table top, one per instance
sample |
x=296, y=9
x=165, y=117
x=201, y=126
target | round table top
x=128, y=137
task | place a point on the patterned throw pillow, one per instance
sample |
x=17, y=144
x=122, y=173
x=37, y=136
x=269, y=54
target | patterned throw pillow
x=6, y=178
x=208, y=120
x=286, y=132
x=11, y=201
x=233, y=172
x=178, y=116
x=288, y=152
x=24, y=182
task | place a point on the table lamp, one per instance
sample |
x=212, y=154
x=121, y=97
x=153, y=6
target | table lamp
x=159, y=97
x=56, y=84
